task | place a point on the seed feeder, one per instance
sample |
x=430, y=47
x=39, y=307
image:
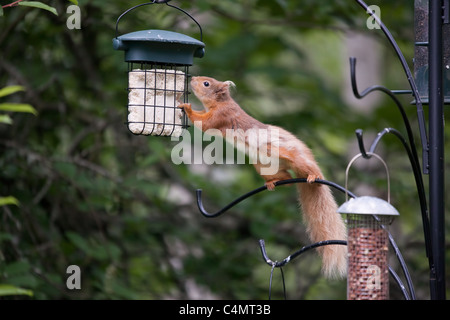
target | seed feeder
x=367, y=243
x=158, y=76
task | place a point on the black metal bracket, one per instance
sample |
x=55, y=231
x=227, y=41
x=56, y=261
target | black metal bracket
x=276, y=264
x=405, y=119
x=417, y=175
x=285, y=261
x=433, y=153
x=412, y=83
x=446, y=11
x=257, y=190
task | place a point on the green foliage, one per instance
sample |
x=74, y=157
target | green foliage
x=10, y=90
x=39, y=5
x=94, y=195
x=10, y=290
x=13, y=107
x=8, y=200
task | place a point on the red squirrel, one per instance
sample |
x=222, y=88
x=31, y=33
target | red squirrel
x=316, y=200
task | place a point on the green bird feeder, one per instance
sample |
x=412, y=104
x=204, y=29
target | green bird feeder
x=158, y=76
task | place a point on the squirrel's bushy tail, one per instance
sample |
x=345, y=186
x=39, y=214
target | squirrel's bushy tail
x=324, y=223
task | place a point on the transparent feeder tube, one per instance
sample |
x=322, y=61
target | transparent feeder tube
x=368, y=273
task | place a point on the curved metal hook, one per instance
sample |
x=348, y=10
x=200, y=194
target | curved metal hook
x=400, y=108
x=257, y=190
x=230, y=205
x=369, y=89
x=381, y=89
x=276, y=264
x=373, y=146
x=416, y=171
x=157, y=2
x=285, y=261
x=410, y=149
x=412, y=83
x=290, y=181
x=397, y=50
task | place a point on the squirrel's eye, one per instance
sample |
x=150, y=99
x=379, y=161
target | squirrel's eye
x=206, y=84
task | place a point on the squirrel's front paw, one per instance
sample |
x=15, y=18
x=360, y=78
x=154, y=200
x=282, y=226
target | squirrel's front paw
x=184, y=106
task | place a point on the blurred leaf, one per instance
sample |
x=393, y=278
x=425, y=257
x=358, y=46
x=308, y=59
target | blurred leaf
x=19, y=273
x=24, y=279
x=9, y=290
x=15, y=268
x=6, y=119
x=5, y=237
x=17, y=107
x=78, y=241
x=10, y=90
x=40, y=5
x=98, y=251
x=8, y=200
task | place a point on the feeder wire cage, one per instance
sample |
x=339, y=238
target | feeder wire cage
x=158, y=76
x=367, y=243
x=154, y=93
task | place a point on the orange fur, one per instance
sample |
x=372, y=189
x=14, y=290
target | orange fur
x=316, y=200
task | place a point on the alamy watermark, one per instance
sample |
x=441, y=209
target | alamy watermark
x=375, y=13
x=374, y=279
x=260, y=145
x=74, y=20
x=73, y=281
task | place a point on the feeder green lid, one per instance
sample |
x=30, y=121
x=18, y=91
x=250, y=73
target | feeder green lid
x=159, y=46
x=368, y=205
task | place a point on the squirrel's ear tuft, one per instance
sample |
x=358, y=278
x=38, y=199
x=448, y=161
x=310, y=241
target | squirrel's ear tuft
x=230, y=84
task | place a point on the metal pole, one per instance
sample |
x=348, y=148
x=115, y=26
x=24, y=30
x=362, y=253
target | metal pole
x=436, y=159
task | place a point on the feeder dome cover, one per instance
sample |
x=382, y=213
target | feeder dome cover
x=368, y=205
x=159, y=46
